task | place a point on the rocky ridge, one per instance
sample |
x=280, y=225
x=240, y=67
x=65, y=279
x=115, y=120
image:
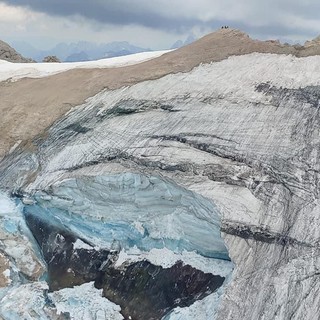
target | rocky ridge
x=49, y=59
x=9, y=54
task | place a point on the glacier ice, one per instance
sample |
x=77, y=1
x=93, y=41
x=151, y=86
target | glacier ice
x=85, y=302
x=16, y=245
x=236, y=139
x=140, y=216
x=33, y=301
x=136, y=210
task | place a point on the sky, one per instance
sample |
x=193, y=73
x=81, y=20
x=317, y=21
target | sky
x=154, y=24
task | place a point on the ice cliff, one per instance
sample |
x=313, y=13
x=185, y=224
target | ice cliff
x=193, y=196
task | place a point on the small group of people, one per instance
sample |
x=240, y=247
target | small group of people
x=225, y=27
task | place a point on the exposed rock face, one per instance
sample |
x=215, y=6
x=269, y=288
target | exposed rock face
x=165, y=165
x=51, y=59
x=145, y=291
x=9, y=54
x=4, y=271
x=313, y=43
x=67, y=266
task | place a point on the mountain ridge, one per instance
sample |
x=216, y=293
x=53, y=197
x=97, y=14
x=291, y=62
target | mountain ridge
x=68, y=52
x=74, y=86
x=10, y=54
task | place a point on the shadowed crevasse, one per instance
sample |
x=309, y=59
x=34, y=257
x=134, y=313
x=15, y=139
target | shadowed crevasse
x=66, y=266
x=146, y=291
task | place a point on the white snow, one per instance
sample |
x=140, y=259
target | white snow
x=167, y=258
x=30, y=301
x=7, y=274
x=206, y=308
x=7, y=206
x=79, y=244
x=15, y=71
x=234, y=80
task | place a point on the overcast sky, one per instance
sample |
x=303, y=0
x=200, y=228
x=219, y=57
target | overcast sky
x=154, y=24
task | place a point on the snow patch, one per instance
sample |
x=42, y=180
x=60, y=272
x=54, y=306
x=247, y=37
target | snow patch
x=79, y=244
x=201, y=309
x=15, y=71
x=7, y=274
x=167, y=258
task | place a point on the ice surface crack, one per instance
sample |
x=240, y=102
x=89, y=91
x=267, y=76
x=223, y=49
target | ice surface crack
x=261, y=234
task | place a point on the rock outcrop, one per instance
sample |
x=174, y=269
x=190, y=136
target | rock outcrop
x=9, y=54
x=51, y=59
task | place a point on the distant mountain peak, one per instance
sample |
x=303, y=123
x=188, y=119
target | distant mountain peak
x=82, y=50
x=179, y=43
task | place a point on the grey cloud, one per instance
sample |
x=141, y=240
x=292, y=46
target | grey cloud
x=160, y=14
x=120, y=12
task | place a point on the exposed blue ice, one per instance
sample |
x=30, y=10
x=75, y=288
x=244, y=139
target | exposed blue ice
x=135, y=210
x=10, y=226
x=132, y=210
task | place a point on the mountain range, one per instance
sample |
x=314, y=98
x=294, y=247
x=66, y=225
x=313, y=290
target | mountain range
x=86, y=51
x=179, y=43
x=79, y=51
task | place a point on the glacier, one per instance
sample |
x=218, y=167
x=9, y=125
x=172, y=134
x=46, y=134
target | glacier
x=20, y=258
x=139, y=218
x=148, y=218
x=134, y=210
x=32, y=301
x=214, y=172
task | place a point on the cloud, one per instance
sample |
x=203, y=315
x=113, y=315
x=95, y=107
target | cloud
x=181, y=16
x=120, y=12
x=11, y=14
x=161, y=22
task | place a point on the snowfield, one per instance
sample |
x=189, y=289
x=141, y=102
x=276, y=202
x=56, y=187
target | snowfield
x=14, y=71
